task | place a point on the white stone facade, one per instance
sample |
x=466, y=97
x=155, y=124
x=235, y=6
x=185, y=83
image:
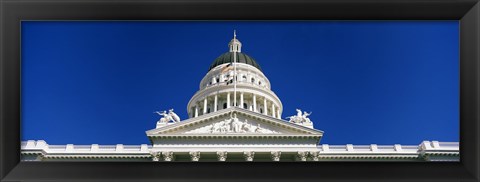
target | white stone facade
x=236, y=120
x=426, y=151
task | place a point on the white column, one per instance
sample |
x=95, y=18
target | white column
x=275, y=155
x=196, y=111
x=234, y=99
x=265, y=106
x=278, y=114
x=215, y=103
x=273, y=110
x=194, y=155
x=168, y=156
x=228, y=100
x=222, y=155
x=241, y=100
x=155, y=156
x=315, y=155
x=205, y=105
x=254, y=103
x=249, y=155
x=302, y=156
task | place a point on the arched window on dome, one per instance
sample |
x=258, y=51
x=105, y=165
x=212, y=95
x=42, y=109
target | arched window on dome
x=261, y=110
x=208, y=110
x=245, y=106
x=244, y=77
x=253, y=80
x=224, y=105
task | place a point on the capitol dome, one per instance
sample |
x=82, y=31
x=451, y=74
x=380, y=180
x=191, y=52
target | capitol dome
x=235, y=79
x=228, y=58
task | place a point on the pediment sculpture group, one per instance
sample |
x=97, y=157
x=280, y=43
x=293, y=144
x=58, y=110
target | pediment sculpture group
x=234, y=125
x=167, y=117
x=300, y=118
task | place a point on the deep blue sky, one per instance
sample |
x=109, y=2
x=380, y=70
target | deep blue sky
x=365, y=81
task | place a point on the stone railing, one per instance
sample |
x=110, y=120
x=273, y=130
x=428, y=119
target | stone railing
x=40, y=145
x=373, y=148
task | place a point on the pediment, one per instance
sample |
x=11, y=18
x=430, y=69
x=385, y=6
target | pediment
x=233, y=125
x=233, y=121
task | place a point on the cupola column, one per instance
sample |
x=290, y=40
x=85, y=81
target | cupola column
x=215, y=103
x=265, y=106
x=254, y=103
x=241, y=99
x=278, y=114
x=273, y=110
x=205, y=105
x=228, y=99
x=196, y=111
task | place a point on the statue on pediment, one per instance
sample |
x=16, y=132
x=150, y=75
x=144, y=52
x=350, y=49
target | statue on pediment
x=300, y=118
x=173, y=115
x=166, y=117
x=246, y=126
x=236, y=124
x=259, y=129
x=305, y=116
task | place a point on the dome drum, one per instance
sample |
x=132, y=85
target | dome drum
x=246, y=74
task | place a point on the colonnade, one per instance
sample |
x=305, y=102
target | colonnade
x=169, y=156
x=220, y=101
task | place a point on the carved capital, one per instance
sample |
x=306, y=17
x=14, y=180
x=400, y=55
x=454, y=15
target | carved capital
x=314, y=155
x=194, y=155
x=167, y=156
x=276, y=155
x=248, y=155
x=302, y=156
x=222, y=155
x=155, y=156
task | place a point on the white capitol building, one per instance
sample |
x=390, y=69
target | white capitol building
x=235, y=116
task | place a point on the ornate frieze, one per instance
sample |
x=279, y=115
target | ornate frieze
x=231, y=126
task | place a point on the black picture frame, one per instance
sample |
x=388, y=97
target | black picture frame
x=13, y=11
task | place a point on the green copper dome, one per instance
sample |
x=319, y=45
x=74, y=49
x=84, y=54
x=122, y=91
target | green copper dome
x=228, y=58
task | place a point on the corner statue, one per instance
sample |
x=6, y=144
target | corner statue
x=171, y=116
x=300, y=118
